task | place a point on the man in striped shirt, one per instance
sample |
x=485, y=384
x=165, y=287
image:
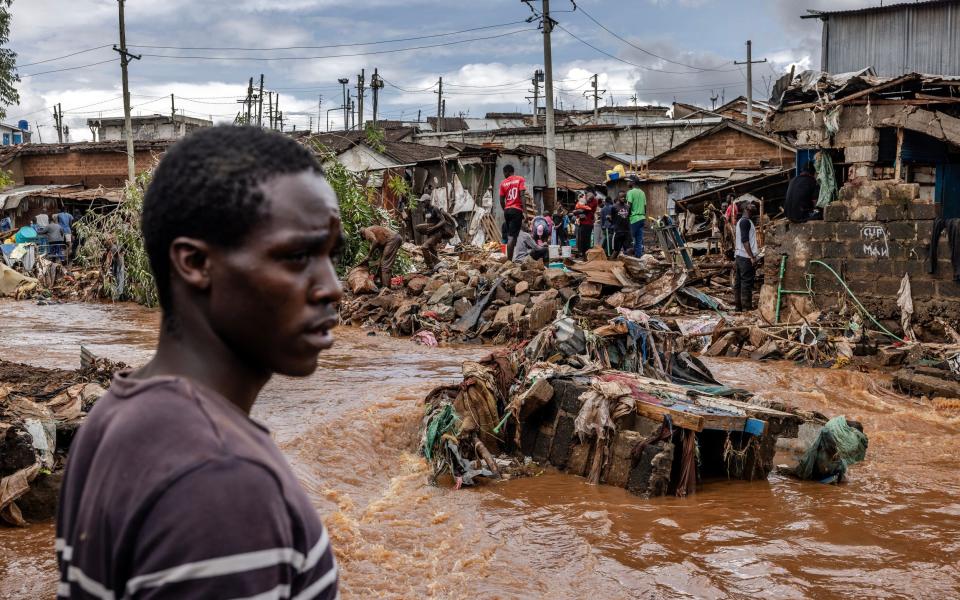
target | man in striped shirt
x=171, y=489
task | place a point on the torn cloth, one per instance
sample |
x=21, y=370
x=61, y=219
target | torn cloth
x=905, y=302
x=603, y=404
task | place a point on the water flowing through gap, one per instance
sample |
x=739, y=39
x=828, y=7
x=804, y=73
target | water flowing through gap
x=349, y=431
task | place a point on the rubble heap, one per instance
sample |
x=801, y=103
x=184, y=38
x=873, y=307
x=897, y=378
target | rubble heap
x=40, y=410
x=623, y=404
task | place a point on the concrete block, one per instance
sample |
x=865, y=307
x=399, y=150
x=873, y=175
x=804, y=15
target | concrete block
x=810, y=137
x=923, y=289
x=836, y=211
x=920, y=175
x=864, y=213
x=927, y=193
x=890, y=212
x=923, y=211
x=905, y=192
x=888, y=286
x=901, y=230
x=562, y=439
x=861, y=154
x=861, y=172
x=948, y=288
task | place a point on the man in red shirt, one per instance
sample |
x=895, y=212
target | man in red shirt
x=585, y=210
x=512, y=189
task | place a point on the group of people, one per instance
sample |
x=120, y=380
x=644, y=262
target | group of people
x=617, y=226
x=53, y=235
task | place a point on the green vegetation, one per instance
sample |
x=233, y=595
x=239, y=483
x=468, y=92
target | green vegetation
x=8, y=63
x=113, y=243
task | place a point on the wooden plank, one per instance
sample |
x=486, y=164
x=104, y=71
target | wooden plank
x=724, y=422
x=680, y=419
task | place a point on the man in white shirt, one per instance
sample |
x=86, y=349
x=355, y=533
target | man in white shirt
x=747, y=255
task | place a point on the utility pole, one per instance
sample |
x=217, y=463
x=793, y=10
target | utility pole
x=343, y=81
x=173, y=116
x=58, y=122
x=319, y=111
x=440, y=107
x=260, y=104
x=596, y=98
x=270, y=109
x=360, y=92
x=537, y=79
x=550, y=192
x=636, y=126
x=125, y=58
x=376, y=82
x=750, y=62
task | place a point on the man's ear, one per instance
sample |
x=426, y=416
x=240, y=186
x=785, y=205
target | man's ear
x=190, y=260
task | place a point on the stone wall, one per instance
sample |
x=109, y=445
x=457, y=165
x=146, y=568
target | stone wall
x=594, y=140
x=872, y=235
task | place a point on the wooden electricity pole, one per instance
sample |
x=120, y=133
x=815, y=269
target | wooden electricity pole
x=260, y=104
x=550, y=191
x=440, y=107
x=750, y=62
x=125, y=58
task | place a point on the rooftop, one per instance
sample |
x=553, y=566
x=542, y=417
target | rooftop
x=824, y=14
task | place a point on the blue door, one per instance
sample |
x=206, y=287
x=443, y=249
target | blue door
x=6, y=139
x=947, y=192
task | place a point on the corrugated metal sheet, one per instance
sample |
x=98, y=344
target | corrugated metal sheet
x=922, y=38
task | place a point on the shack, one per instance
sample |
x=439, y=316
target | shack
x=889, y=168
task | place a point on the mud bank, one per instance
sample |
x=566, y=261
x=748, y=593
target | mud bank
x=350, y=431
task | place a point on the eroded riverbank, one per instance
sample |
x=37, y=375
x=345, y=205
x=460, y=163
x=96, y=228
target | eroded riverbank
x=349, y=431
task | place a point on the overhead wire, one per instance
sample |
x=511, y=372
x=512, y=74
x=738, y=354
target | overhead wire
x=103, y=62
x=40, y=62
x=644, y=50
x=373, y=52
x=374, y=43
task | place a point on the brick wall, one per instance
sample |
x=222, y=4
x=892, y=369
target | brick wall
x=650, y=140
x=92, y=169
x=725, y=144
x=875, y=232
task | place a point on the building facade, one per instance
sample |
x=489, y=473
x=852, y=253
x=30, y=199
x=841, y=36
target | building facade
x=152, y=127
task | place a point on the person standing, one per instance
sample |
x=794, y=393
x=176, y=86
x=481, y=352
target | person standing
x=638, y=215
x=55, y=241
x=171, y=489
x=387, y=242
x=65, y=220
x=600, y=193
x=606, y=223
x=621, y=225
x=439, y=228
x=747, y=255
x=586, y=210
x=512, y=189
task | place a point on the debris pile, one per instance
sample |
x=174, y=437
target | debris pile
x=40, y=410
x=622, y=404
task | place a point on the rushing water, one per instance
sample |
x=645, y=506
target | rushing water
x=892, y=531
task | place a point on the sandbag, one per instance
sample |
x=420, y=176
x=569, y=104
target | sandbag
x=361, y=282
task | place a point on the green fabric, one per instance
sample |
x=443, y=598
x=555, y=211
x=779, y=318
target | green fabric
x=638, y=205
x=441, y=422
x=826, y=179
x=837, y=447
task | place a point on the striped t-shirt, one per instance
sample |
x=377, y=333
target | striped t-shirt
x=171, y=491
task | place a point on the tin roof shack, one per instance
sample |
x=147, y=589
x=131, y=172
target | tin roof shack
x=147, y=127
x=23, y=203
x=895, y=149
x=893, y=39
x=736, y=110
x=730, y=152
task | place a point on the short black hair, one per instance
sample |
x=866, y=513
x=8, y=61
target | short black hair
x=508, y=169
x=207, y=186
x=809, y=167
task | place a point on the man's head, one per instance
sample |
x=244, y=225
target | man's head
x=240, y=226
x=507, y=170
x=809, y=168
x=428, y=189
x=622, y=196
x=632, y=183
x=748, y=209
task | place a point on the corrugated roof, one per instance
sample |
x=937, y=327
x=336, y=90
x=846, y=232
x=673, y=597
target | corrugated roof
x=579, y=165
x=820, y=14
x=408, y=152
x=11, y=198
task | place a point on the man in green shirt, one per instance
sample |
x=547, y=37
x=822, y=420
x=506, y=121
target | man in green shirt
x=638, y=215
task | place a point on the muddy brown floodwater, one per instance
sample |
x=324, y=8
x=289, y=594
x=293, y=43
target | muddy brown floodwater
x=893, y=531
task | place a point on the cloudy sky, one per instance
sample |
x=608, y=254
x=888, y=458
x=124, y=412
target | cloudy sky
x=205, y=52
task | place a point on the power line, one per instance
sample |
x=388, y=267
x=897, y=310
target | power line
x=289, y=58
x=40, y=62
x=645, y=51
x=103, y=62
x=408, y=39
